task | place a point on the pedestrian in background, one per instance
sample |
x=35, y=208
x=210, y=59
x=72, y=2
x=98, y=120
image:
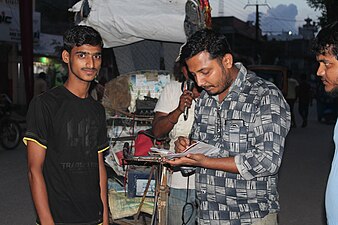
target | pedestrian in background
x=291, y=97
x=304, y=98
x=40, y=84
x=326, y=48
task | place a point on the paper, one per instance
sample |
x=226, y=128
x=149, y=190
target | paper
x=196, y=148
x=160, y=151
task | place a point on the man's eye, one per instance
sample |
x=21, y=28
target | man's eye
x=81, y=55
x=97, y=56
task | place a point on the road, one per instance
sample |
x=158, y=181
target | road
x=16, y=207
x=303, y=176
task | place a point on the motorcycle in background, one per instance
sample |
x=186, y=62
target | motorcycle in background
x=10, y=130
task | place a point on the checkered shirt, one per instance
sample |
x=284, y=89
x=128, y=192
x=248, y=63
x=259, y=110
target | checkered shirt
x=251, y=125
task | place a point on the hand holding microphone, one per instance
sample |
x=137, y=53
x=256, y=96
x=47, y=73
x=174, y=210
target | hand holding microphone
x=186, y=98
x=190, y=86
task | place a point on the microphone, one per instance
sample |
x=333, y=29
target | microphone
x=190, y=86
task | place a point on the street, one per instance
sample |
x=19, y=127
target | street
x=303, y=176
x=305, y=168
x=16, y=207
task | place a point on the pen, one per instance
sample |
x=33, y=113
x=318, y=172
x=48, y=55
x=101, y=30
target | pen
x=190, y=138
x=190, y=144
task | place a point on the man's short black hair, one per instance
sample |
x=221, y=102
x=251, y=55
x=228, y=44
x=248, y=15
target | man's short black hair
x=81, y=35
x=208, y=40
x=327, y=40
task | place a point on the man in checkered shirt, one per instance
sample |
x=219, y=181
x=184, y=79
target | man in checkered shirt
x=247, y=118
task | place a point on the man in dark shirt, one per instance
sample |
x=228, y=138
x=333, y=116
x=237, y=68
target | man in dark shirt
x=66, y=135
x=304, y=96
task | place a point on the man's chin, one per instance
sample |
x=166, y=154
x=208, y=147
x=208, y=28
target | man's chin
x=210, y=92
x=333, y=92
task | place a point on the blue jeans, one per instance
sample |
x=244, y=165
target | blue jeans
x=177, y=200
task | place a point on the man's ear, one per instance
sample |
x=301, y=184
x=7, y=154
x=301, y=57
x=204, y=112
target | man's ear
x=227, y=60
x=65, y=56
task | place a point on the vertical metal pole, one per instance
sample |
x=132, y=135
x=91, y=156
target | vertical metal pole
x=257, y=22
x=163, y=196
x=26, y=29
x=257, y=43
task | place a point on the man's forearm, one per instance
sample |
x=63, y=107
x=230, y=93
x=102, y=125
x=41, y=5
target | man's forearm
x=103, y=190
x=163, y=124
x=40, y=197
x=226, y=164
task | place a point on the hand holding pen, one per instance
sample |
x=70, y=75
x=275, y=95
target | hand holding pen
x=182, y=143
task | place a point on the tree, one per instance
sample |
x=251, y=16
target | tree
x=329, y=9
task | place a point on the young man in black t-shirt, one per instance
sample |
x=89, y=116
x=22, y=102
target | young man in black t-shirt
x=66, y=135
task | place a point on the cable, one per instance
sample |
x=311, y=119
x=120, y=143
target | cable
x=186, y=205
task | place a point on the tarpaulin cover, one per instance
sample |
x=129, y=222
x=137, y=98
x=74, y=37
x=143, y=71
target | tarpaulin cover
x=122, y=22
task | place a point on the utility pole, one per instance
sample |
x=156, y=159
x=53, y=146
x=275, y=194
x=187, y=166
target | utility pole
x=257, y=21
x=257, y=14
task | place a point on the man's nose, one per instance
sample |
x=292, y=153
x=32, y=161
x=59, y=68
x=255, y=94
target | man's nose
x=90, y=62
x=320, y=71
x=199, y=80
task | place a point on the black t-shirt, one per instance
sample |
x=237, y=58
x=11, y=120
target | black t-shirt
x=73, y=130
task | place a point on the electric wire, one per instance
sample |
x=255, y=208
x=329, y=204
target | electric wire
x=186, y=205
